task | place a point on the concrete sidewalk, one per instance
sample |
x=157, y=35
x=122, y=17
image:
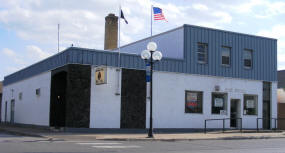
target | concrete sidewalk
x=229, y=135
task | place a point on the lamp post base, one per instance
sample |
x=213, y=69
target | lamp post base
x=150, y=134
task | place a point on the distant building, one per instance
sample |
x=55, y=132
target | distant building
x=281, y=98
x=1, y=86
x=281, y=86
x=205, y=74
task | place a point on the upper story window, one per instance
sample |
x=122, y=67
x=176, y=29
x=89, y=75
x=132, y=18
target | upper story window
x=202, y=53
x=247, y=58
x=226, y=56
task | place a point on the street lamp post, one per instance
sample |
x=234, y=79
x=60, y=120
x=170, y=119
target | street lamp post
x=152, y=56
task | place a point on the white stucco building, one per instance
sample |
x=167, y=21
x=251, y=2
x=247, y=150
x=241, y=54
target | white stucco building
x=205, y=74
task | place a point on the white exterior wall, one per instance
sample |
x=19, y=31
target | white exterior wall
x=105, y=105
x=169, y=99
x=32, y=109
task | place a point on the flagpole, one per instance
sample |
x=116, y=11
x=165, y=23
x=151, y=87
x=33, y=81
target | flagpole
x=58, y=38
x=151, y=22
x=119, y=43
x=119, y=51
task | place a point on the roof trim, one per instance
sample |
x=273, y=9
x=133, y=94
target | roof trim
x=251, y=35
x=38, y=62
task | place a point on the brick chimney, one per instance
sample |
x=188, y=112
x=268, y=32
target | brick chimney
x=111, y=32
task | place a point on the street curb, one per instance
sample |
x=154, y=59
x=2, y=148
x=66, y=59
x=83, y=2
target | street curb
x=13, y=132
x=173, y=140
x=21, y=133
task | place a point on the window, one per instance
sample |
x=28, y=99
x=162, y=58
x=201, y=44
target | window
x=38, y=92
x=219, y=103
x=193, y=102
x=20, y=96
x=226, y=56
x=250, y=105
x=202, y=52
x=247, y=58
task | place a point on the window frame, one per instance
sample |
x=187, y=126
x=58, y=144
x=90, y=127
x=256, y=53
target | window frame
x=230, y=59
x=38, y=92
x=185, y=101
x=225, y=107
x=205, y=53
x=20, y=96
x=256, y=104
x=251, y=60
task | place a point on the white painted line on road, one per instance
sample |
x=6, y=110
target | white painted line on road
x=88, y=141
x=99, y=143
x=116, y=147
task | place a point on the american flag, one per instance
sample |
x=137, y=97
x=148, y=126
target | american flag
x=157, y=13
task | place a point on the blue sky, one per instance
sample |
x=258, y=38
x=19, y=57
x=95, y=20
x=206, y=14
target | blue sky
x=28, y=29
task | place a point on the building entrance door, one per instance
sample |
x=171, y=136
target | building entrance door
x=235, y=112
x=6, y=104
x=266, y=112
x=12, y=115
x=266, y=115
x=58, y=100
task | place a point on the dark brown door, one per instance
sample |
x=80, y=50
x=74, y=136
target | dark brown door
x=234, y=113
x=6, y=104
x=266, y=115
x=58, y=100
x=12, y=111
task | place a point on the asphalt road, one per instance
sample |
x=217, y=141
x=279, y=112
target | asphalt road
x=19, y=144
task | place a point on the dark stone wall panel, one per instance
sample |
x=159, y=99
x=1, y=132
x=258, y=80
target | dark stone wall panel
x=78, y=96
x=133, y=99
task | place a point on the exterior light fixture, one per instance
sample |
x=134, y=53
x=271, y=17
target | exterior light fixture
x=157, y=56
x=151, y=46
x=151, y=55
x=145, y=55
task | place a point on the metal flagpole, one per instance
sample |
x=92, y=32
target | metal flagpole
x=58, y=38
x=58, y=24
x=119, y=43
x=119, y=51
x=151, y=22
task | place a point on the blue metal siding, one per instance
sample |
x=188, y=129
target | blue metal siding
x=264, y=57
x=264, y=54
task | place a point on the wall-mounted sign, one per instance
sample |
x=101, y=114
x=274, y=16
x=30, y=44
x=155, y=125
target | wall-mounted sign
x=223, y=112
x=217, y=88
x=101, y=75
x=250, y=104
x=219, y=102
x=147, y=72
